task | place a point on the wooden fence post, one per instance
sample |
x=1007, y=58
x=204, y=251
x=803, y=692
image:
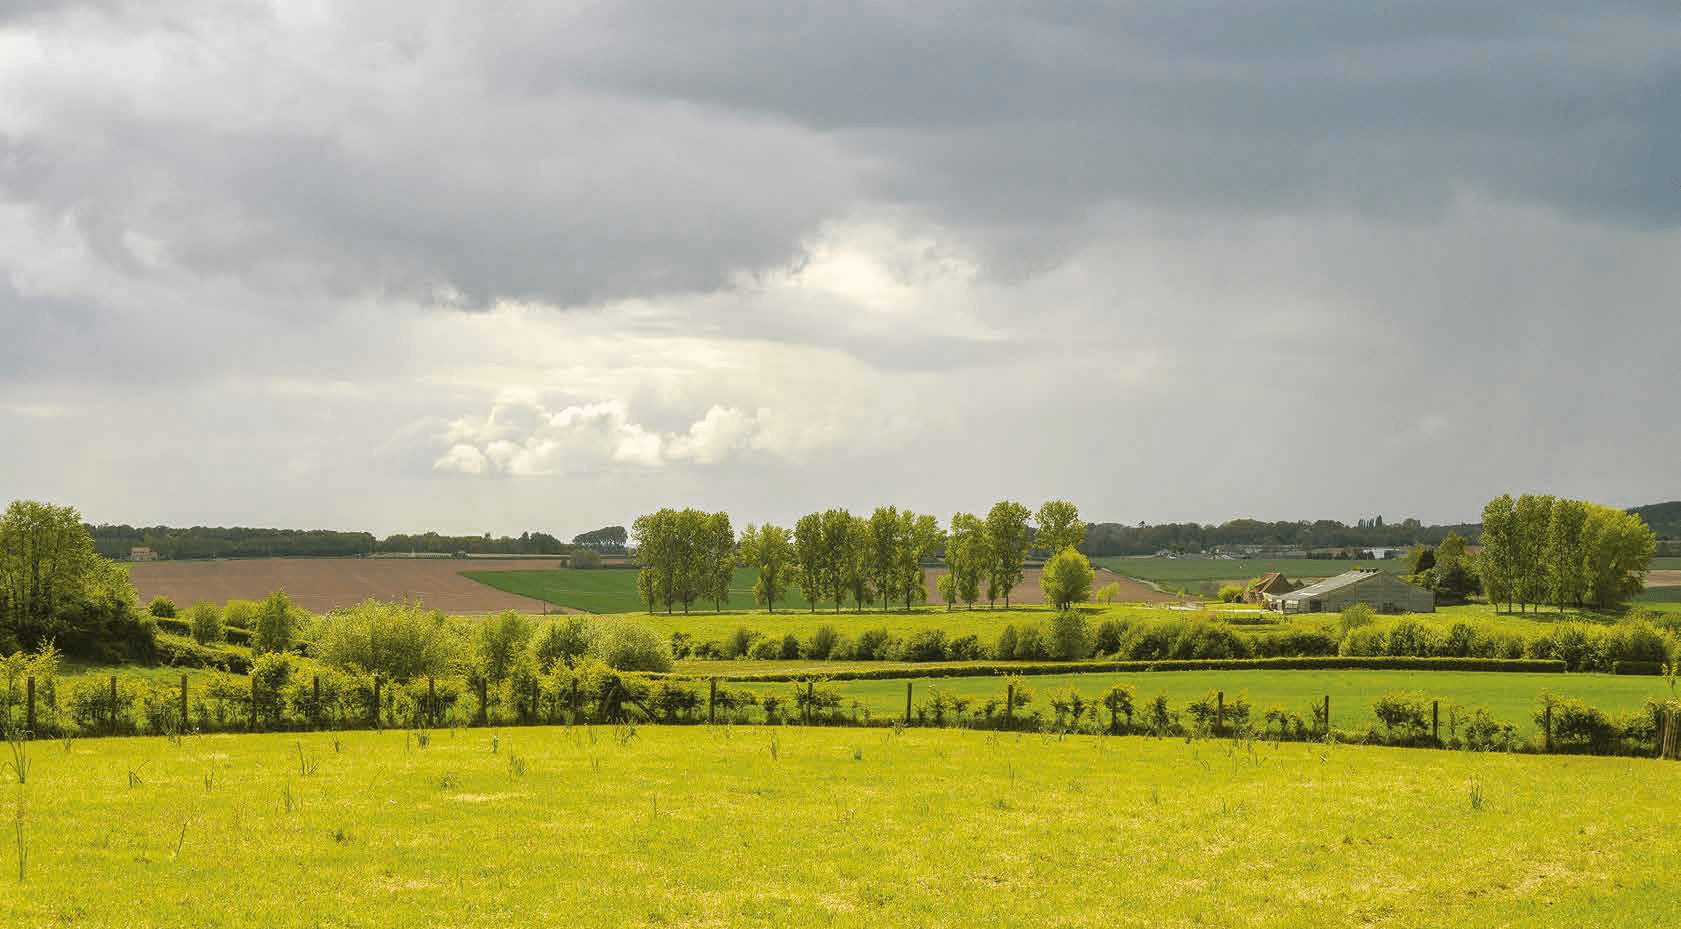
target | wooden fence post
x=432, y=700
x=1009, y=706
x=1547, y=723
x=712, y=703
x=376, y=700
x=29, y=713
x=908, y=683
x=113, y=704
x=1436, y=721
x=1219, y=711
x=183, y=703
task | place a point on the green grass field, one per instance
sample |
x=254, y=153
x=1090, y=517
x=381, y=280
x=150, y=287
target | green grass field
x=829, y=827
x=1171, y=572
x=1510, y=697
x=608, y=591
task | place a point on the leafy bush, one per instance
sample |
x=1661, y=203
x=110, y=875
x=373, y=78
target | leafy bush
x=500, y=642
x=965, y=648
x=1411, y=637
x=926, y=645
x=790, y=647
x=1404, y=714
x=398, y=641
x=1356, y=616
x=765, y=650
x=1005, y=648
x=822, y=642
x=1231, y=593
x=1071, y=636
x=1032, y=643
x=1484, y=732
x=1233, y=718
x=740, y=643
x=161, y=606
x=275, y=624
x=1363, y=641
x=1575, y=724
x=1111, y=634
x=240, y=614
x=873, y=645
x=270, y=673
x=1210, y=640
x=627, y=646
x=204, y=620
x=585, y=559
x=564, y=642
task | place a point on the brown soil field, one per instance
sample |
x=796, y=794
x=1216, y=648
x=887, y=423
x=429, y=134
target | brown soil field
x=322, y=584
x=1663, y=578
x=1028, y=591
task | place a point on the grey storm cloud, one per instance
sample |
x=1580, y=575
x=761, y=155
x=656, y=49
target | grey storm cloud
x=770, y=245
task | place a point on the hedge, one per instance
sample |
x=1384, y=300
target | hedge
x=1323, y=663
x=1637, y=667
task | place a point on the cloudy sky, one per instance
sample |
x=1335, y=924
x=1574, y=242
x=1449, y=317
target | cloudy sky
x=493, y=267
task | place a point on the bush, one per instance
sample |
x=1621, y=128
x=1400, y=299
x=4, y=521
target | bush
x=926, y=645
x=1005, y=648
x=161, y=607
x=1635, y=640
x=1404, y=714
x=1210, y=640
x=275, y=624
x=563, y=643
x=740, y=643
x=965, y=648
x=1411, y=637
x=765, y=650
x=1111, y=633
x=240, y=614
x=1206, y=711
x=1231, y=593
x=204, y=621
x=585, y=559
x=1071, y=636
x=1356, y=616
x=1484, y=732
x=399, y=641
x=822, y=642
x=1032, y=643
x=627, y=646
x=873, y=645
x=1362, y=642
x=1575, y=724
x=790, y=647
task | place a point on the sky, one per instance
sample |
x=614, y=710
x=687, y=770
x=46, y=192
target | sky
x=471, y=267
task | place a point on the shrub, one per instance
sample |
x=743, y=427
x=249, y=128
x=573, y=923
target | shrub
x=1066, y=579
x=926, y=645
x=1635, y=640
x=1108, y=592
x=501, y=641
x=1071, y=636
x=1121, y=700
x=1231, y=593
x=765, y=650
x=162, y=607
x=1295, y=643
x=204, y=620
x=1413, y=638
x=1461, y=638
x=240, y=614
x=627, y=646
x=740, y=643
x=585, y=559
x=1579, y=646
x=399, y=641
x=1575, y=723
x=270, y=673
x=1484, y=732
x=1210, y=640
x=965, y=648
x=564, y=642
x=1363, y=642
x=1032, y=643
x=1111, y=633
x=1356, y=616
x=275, y=624
x=1233, y=717
x=1005, y=648
x=822, y=642
x=1404, y=714
x=873, y=645
x=790, y=647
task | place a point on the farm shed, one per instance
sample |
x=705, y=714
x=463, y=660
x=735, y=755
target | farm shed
x=1267, y=586
x=1385, y=592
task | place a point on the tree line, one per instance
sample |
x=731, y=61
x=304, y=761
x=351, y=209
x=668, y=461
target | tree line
x=1539, y=549
x=689, y=556
x=116, y=541
x=1120, y=539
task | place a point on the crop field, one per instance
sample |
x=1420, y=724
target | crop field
x=1172, y=572
x=615, y=591
x=1511, y=697
x=775, y=826
x=322, y=584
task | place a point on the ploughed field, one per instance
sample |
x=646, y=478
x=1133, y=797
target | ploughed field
x=322, y=584
x=785, y=826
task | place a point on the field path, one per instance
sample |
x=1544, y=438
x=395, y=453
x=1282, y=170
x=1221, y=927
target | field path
x=322, y=584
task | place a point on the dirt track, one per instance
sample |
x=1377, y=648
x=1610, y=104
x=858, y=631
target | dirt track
x=1663, y=579
x=321, y=584
x=1028, y=591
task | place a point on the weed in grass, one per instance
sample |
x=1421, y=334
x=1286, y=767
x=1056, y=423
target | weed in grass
x=516, y=765
x=306, y=766
x=134, y=776
x=1474, y=793
x=69, y=743
x=775, y=747
x=286, y=799
x=495, y=744
x=624, y=733
x=210, y=779
x=447, y=781
x=423, y=739
x=19, y=765
x=857, y=754
x=337, y=746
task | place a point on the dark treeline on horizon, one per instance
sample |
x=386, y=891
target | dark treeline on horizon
x=115, y=541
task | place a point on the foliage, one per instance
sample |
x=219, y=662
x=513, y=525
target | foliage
x=584, y=559
x=1355, y=616
x=204, y=619
x=1071, y=634
x=275, y=624
x=1231, y=593
x=1066, y=579
x=563, y=642
x=501, y=640
x=1007, y=545
x=54, y=587
x=1404, y=714
x=398, y=641
x=1059, y=527
x=769, y=550
x=628, y=646
x=161, y=607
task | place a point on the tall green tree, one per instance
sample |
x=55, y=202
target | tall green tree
x=1497, y=565
x=1564, y=556
x=1618, y=548
x=53, y=584
x=1533, y=513
x=1066, y=579
x=719, y=560
x=886, y=543
x=655, y=538
x=918, y=538
x=1006, y=530
x=853, y=564
x=275, y=625
x=967, y=556
x=811, y=559
x=768, y=550
x=1059, y=527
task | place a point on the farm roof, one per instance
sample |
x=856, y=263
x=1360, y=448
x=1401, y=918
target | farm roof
x=1272, y=581
x=1329, y=584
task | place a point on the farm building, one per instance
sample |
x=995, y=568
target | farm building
x=1267, y=586
x=142, y=553
x=1385, y=592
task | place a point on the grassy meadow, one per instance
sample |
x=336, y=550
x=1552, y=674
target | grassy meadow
x=703, y=826
x=1511, y=697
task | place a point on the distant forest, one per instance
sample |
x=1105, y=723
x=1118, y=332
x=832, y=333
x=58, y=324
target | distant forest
x=1101, y=538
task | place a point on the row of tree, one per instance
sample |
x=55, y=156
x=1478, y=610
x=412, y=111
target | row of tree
x=1540, y=549
x=1121, y=539
x=833, y=556
x=116, y=541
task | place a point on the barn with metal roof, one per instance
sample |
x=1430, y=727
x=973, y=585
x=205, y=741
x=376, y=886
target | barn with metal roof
x=1385, y=592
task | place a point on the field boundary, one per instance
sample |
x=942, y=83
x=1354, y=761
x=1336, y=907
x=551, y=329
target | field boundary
x=1324, y=663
